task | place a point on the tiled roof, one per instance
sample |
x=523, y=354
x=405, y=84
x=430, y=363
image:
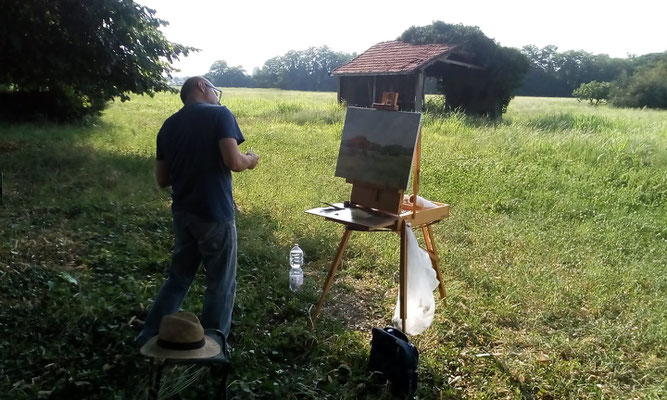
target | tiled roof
x=393, y=57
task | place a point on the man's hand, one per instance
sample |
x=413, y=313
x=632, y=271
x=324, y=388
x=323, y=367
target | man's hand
x=233, y=158
x=253, y=158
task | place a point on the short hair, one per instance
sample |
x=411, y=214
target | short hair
x=188, y=86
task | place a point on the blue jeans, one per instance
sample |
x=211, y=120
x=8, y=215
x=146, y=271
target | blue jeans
x=198, y=241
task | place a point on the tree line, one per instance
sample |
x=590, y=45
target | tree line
x=486, y=93
x=308, y=69
x=559, y=74
x=634, y=81
x=64, y=60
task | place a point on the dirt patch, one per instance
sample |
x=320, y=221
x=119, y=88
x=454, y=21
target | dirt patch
x=49, y=248
x=359, y=306
x=7, y=146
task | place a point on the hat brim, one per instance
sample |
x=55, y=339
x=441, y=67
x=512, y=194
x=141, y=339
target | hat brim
x=151, y=349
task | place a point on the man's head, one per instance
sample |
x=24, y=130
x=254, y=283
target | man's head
x=199, y=90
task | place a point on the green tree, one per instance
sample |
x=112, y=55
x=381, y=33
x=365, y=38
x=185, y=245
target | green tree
x=66, y=59
x=220, y=74
x=541, y=79
x=543, y=59
x=647, y=87
x=557, y=74
x=308, y=69
x=487, y=92
x=593, y=91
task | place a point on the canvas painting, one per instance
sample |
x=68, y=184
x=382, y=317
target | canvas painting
x=377, y=147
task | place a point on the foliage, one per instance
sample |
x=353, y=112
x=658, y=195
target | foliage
x=638, y=81
x=593, y=91
x=308, y=69
x=302, y=70
x=435, y=105
x=221, y=74
x=553, y=256
x=645, y=88
x=65, y=59
x=554, y=73
x=486, y=93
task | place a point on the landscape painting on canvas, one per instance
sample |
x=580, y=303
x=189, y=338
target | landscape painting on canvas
x=377, y=147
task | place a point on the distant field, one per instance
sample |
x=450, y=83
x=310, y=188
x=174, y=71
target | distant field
x=554, y=257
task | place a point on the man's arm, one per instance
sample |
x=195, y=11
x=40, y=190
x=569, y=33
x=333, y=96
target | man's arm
x=233, y=158
x=162, y=174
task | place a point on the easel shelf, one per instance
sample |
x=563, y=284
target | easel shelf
x=423, y=216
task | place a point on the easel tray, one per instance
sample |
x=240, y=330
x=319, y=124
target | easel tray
x=357, y=218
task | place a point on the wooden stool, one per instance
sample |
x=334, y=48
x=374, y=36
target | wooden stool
x=219, y=366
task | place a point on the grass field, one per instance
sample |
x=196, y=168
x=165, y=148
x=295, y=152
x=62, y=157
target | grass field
x=554, y=257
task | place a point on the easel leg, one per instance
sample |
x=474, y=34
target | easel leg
x=332, y=271
x=403, y=275
x=435, y=260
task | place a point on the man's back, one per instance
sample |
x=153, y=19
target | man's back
x=188, y=143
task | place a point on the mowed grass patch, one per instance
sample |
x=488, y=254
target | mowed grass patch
x=553, y=257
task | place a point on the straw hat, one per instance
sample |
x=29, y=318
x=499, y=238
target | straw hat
x=180, y=336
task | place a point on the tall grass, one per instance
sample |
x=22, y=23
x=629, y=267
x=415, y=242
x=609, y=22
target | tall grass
x=554, y=256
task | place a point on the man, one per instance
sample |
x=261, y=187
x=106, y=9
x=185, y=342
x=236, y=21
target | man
x=197, y=148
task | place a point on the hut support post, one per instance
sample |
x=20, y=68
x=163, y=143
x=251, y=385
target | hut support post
x=419, y=91
x=338, y=80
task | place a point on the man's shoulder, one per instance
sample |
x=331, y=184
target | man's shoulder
x=200, y=117
x=207, y=109
x=181, y=113
x=171, y=122
x=225, y=111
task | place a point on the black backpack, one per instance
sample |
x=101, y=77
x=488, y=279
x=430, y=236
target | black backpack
x=396, y=358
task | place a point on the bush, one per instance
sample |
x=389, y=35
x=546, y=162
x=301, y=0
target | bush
x=477, y=92
x=593, y=91
x=646, y=88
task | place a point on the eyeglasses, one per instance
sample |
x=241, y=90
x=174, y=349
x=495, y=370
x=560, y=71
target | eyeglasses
x=217, y=91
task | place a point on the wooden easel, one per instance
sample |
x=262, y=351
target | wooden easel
x=394, y=213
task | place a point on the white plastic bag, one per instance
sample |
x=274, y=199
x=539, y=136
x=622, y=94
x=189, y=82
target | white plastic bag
x=422, y=280
x=423, y=203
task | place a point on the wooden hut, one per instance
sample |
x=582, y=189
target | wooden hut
x=396, y=66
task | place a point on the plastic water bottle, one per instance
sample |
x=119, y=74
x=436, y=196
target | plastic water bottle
x=296, y=271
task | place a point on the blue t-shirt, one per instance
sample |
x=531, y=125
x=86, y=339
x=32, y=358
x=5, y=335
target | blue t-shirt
x=188, y=143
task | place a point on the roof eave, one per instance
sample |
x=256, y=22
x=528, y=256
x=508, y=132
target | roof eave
x=437, y=57
x=459, y=63
x=373, y=73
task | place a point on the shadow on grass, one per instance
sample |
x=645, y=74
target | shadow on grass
x=84, y=247
x=87, y=247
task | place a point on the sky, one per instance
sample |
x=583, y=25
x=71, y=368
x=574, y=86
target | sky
x=249, y=32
